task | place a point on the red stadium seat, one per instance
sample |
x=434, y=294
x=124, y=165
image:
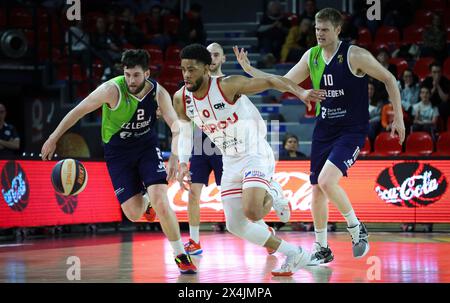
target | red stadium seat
x=421, y=68
x=436, y=5
x=172, y=70
x=77, y=73
x=401, y=64
x=443, y=145
x=364, y=35
x=170, y=86
x=418, y=144
x=388, y=35
x=423, y=17
x=171, y=24
x=413, y=34
x=173, y=53
x=385, y=145
x=446, y=68
x=155, y=52
x=366, y=148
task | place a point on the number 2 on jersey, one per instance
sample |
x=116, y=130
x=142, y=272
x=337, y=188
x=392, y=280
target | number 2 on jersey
x=328, y=80
x=140, y=114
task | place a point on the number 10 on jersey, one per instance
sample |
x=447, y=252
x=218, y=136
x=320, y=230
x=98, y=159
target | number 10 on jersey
x=328, y=80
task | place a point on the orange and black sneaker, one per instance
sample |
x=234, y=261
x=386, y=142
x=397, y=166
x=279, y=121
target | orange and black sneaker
x=185, y=264
x=193, y=248
x=150, y=214
x=271, y=251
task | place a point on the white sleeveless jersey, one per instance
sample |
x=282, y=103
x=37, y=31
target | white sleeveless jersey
x=236, y=129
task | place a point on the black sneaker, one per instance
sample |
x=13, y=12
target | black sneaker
x=320, y=255
x=359, y=240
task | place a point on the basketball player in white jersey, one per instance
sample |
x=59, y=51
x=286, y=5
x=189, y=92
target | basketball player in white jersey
x=232, y=122
x=203, y=162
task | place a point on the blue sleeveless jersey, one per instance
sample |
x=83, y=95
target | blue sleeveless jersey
x=347, y=100
x=131, y=124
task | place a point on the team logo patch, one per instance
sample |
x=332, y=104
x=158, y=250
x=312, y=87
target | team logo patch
x=254, y=173
x=219, y=106
x=340, y=58
x=188, y=99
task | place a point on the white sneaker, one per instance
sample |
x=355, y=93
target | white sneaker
x=280, y=203
x=293, y=263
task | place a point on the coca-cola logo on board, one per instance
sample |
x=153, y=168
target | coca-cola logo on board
x=411, y=184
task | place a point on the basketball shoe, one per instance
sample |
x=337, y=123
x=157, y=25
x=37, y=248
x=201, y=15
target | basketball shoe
x=150, y=213
x=320, y=255
x=359, y=240
x=293, y=262
x=185, y=264
x=281, y=205
x=193, y=248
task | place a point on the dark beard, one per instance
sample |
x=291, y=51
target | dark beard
x=139, y=89
x=196, y=86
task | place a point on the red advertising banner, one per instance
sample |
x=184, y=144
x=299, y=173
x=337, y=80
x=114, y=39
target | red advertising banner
x=28, y=198
x=380, y=191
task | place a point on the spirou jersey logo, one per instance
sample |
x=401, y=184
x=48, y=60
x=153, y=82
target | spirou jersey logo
x=213, y=127
x=411, y=185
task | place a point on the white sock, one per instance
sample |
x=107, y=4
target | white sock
x=194, y=233
x=287, y=248
x=178, y=247
x=262, y=223
x=351, y=219
x=321, y=237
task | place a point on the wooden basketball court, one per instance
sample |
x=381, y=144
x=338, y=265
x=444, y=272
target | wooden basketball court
x=147, y=257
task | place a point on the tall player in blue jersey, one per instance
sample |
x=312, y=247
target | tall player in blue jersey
x=342, y=122
x=134, y=161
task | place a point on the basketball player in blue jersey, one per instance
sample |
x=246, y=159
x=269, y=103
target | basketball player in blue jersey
x=134, y=161
x=206, y=157
x=342, y=122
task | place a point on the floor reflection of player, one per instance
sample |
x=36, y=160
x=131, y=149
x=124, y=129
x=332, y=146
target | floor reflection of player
x=129, y=104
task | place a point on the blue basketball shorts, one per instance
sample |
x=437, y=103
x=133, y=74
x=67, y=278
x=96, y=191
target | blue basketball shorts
x=202, y=166
x=341, y=149
x=133, y=171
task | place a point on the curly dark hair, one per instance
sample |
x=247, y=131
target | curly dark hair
x=196, y=52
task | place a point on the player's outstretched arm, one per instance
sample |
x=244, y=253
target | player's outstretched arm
x=362, y=60
x=297, y=74
x=102, y=94
x=240, y=85
x=182, y=141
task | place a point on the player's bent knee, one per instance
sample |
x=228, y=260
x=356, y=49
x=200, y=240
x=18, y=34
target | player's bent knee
x=252, y=214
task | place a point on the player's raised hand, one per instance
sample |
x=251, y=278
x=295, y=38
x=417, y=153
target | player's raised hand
x=398, y=126
x=172, y=168
x=48, y=149
x=310, y=95
x=184, y=176
x=242, y=57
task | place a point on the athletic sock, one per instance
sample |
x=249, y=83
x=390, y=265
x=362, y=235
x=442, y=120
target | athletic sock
x=321, y=237
x=262, y=223
x=351, y=219
x=287, y=248
x=194, y=233
x=178, y=247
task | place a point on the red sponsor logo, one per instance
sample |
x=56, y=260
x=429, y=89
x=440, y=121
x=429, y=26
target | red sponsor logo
x=220, y=125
